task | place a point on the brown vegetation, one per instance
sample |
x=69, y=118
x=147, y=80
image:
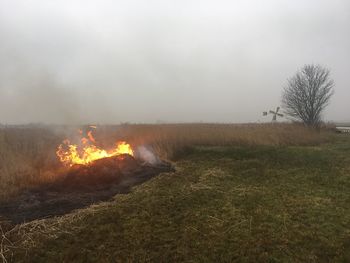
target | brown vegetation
x=27, y=153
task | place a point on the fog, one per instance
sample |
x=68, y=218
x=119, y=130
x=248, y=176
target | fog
x=165, y=61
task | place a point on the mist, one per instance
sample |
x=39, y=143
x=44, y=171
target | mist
x=74, y=62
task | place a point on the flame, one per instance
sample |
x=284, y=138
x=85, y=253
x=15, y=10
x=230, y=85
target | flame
x=71, y=154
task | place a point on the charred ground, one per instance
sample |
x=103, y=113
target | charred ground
x=79, y=187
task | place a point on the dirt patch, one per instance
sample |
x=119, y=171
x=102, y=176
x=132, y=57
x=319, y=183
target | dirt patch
x=80, y=187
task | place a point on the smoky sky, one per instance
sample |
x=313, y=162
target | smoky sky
x=158, y=60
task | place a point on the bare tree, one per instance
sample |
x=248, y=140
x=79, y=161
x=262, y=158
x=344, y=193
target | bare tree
x=307, y=94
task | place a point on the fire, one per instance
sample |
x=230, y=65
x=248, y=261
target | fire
x=87, y=152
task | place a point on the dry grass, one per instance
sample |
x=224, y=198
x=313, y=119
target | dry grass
x=26, y=157
x=170, y=140
x=27, y=153
x=22, y=237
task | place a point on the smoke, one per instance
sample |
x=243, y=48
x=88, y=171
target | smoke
x=37, y=97
x=144, y=154
x=141, y=61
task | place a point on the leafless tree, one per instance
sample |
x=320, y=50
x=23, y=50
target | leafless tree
x=307, y=94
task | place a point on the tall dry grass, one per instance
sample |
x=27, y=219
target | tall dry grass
x=27, y=153
x=26, y=157
x=170, y=140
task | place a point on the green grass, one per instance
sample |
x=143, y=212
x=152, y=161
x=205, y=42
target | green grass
x=223, y=204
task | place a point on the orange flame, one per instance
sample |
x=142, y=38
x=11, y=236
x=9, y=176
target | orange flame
x=71, y=154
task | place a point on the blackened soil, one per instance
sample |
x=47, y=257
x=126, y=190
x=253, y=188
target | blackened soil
x=81, y=186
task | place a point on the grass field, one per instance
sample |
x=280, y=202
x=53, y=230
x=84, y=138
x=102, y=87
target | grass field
x=27, y=153
x=257, y=203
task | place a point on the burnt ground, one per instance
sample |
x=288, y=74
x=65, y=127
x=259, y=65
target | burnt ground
x=79, y=187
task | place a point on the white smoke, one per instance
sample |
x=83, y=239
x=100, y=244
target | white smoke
x=146, y=155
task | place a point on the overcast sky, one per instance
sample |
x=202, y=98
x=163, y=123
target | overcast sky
x=157, y=60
